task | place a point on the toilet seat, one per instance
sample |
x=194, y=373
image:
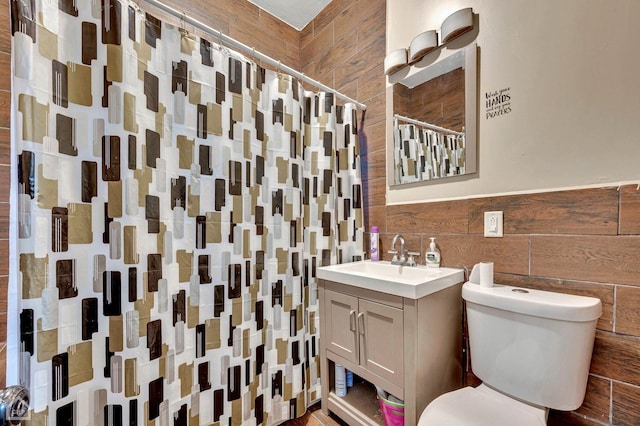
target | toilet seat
x=481, y=406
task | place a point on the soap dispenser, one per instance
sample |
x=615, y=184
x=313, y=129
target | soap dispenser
x=433, y=255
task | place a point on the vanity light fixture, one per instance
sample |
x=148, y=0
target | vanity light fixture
x=453, y=26
x=422, y=44
x=395, y=60
x=456, y=24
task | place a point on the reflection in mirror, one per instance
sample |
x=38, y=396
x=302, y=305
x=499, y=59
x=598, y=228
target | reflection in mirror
x=434, y=120
x=424, y=151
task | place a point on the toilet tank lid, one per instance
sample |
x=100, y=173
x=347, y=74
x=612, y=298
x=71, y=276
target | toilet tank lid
x=539, y=303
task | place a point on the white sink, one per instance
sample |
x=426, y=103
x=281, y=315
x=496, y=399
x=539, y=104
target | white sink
x=412, y=282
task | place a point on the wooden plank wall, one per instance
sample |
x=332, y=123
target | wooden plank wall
x=583, y=242
x=344, y=47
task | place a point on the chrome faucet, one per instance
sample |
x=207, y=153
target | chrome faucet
x=402, y=260
x=403, y=253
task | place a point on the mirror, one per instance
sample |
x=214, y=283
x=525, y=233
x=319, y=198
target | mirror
x=434, y=119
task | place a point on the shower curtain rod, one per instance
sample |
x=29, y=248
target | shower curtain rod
x=427, y=125
x=231, y=42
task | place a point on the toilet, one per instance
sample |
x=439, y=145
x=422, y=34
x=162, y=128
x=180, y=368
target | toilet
x=532, y=351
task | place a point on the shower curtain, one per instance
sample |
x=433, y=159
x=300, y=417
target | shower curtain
x=173, y=201
x=422, y=154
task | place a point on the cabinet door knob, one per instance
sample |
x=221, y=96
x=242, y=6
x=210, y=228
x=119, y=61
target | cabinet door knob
x=352, y=320
x=361, y=323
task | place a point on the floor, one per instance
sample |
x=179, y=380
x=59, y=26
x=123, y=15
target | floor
x=315, y=417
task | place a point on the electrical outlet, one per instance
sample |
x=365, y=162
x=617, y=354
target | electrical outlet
x=493, y=224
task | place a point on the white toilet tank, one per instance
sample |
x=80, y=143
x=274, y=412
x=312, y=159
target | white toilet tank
x=533, y=345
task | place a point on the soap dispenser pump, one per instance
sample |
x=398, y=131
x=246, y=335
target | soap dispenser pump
x=433, y=255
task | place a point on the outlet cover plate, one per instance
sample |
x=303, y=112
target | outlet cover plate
x=493, y=224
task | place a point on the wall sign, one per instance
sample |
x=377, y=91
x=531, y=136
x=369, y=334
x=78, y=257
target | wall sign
x=497, y=102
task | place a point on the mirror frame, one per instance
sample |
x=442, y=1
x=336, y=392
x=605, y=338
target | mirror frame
x=470, y=111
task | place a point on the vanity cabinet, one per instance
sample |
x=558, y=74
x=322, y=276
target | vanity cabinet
x=366, y=332
x=409, y=347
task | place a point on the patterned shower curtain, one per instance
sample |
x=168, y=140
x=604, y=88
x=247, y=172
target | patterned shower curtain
x=172, y=203
x=423, y=154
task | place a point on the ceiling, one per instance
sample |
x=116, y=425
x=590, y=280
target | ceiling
x=296, y=13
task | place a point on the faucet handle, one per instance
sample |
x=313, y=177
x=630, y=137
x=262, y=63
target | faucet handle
x=411, y=261
x=395, y=255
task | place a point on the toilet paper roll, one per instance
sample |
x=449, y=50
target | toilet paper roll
x=486, y=274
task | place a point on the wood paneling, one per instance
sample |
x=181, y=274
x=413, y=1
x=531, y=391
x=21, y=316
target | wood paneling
x=351, y=90
x=5, y=147
x=306, y=36
x=597, y=401
x=5, y=108
x=509, y=255
x=330, y=13
x=596, y=406
x=626, y=400
x=629, y=209
x=350, y=17
x=616, y=357
x=446, y=217
x=3, y=365
x=5, y=36
x=344, y=47
x=358, y=64
x=439, y=101
x=376, y=109
x=583, y=212
x=5, y=78
x=336, y=53
x=321, y=42
x=4, y=221
x=4, y=285
x=375, y=165
x=242, y=9
x=5, y=178
x=245, y=22
x=604, y=292
x=587, y=258
x=3, y=327
x=4, y=259
x=568, y=418
x=373, y=25
x=375, y=192
x=559, y=241
x=376, y=216
x=375, y=137
x=370, y=84
x=628, y=310
x=4, y=9
x=275, y=28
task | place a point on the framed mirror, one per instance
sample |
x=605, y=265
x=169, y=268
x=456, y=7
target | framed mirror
x=434, y=119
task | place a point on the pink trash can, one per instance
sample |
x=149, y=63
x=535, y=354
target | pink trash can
x=392, y=412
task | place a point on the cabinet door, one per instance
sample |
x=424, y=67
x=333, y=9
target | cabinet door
x=381, y=340
x=340, y=320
